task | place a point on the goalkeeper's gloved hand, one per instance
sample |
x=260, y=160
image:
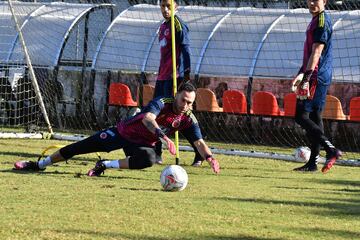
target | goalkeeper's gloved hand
x=296, y=81
x=304, y=89
x=214, y=164
x=165, y=140
x=170, y=144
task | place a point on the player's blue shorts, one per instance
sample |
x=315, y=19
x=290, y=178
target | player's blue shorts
x=164, y=88
x=318, y=102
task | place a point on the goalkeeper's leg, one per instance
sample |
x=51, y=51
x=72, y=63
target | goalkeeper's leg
x=315, y=116
x=137, y=157
x=143, y=157
x=315, y=132
x=103, y=141
x=158, y=152
x=198, y=159
x=311, y=165
x=162, y=88
x=312, y=129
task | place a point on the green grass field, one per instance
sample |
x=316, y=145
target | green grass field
x=251, y=199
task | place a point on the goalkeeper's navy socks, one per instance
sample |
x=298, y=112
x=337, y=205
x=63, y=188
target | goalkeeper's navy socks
x=27, y=166
x=331, y=158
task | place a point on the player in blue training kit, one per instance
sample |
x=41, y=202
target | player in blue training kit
x=311, y=85
x=164, y=81
x=137, y=136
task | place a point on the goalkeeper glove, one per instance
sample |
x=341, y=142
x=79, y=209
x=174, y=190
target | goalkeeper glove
x=214, y=164
x=304, y=89
x=165, y=140
x=296, y=81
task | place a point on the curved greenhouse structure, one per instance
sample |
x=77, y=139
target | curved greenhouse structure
x=245, y=42
x=50, y=30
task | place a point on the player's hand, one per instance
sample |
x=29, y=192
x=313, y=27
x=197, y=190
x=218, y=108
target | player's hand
x=215, y=166
x=296, y=81
x=170, y=144
x=304, y=90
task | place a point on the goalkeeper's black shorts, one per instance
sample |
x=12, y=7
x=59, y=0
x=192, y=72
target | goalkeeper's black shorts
x=109, y=140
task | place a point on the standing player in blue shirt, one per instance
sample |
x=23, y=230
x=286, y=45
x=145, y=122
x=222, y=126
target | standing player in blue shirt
x=137, y=136
x=164, y=81
x=312, y=83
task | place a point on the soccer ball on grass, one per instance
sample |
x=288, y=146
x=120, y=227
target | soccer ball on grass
x=302, y=154
x=173, y=178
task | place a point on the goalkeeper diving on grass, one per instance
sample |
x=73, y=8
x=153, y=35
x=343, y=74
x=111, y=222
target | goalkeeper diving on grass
x=311, y=85
x=137, y=136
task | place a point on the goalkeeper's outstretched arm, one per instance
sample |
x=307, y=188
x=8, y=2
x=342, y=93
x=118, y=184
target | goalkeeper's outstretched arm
x=206, y=153
x=151, y=124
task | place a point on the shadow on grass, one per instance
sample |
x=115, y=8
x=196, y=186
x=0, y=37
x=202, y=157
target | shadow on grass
x=344, y=191
x=142, y=189
x=118, y=235
x=75, y=175
x=119, y=177
x=355, y=201
x=20, y=154
x=353, y=183
x=295, y=188
x=338, y=207
x=33, y=156
x=266, y=177
x=328, y=232
x=56, y=172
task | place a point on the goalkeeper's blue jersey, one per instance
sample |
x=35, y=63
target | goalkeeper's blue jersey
x=320, y=31
x=133, y=129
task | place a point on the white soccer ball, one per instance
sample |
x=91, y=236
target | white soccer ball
x=302, y=154
x=173, y=178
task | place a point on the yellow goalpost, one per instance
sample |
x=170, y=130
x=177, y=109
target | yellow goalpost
x=174, y=73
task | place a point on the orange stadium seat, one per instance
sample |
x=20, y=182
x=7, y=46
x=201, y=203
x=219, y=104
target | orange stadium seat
x=234, y=101
x=265, y=103
x=206, y=101
x=147, y=94
x=290, y=104
x=333, y=109
x=120, y=95
x=355, y=109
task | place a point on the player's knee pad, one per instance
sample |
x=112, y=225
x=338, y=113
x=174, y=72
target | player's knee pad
x=143, y=158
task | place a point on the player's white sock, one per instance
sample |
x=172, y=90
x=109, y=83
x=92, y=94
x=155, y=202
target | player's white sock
x=44, y=162
x=112, y=164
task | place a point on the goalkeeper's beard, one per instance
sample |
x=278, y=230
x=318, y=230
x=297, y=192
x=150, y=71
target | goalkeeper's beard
x=179, y=110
